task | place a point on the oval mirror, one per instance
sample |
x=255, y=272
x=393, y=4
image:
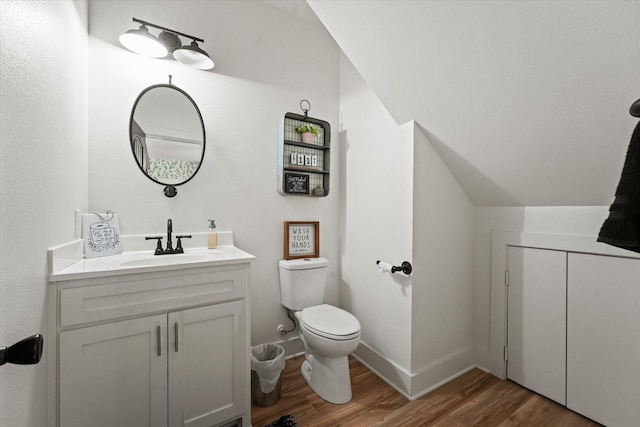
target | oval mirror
x=167, y=135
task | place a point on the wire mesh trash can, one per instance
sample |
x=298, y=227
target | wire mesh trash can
x=267, y=363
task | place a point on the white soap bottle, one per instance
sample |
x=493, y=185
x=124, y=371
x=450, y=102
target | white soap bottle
x=213, y=236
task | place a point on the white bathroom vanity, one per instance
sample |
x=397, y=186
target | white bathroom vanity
x=144, y=340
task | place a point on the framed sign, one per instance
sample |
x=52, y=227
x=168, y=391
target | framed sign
x=301, y=239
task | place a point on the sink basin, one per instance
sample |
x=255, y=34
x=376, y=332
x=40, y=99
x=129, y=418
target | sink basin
x=155, y=260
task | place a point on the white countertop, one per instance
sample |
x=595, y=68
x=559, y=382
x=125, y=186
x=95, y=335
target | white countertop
x=146, y=262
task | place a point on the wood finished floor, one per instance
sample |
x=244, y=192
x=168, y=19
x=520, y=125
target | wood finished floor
x=473, y=399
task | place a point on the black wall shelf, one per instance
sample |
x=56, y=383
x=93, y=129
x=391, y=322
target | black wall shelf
x=304, y=144
x=303, y=168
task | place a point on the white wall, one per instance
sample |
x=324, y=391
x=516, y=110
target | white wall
x=43, y=176
x=442, y=305
x=400, y=202
x=576, y=220
x=526, y=103
x=517, y=91
x=49, y=94
x=266, y=62
x=376, y=195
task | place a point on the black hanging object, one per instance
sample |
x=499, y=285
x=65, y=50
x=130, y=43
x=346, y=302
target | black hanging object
x=26, y=352
x=634, y=110
x=305, y=110
x=622, y=227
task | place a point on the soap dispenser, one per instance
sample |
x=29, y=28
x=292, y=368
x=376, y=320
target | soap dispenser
x=213, y=236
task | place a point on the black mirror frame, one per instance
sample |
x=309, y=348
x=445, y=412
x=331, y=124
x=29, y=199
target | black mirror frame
x=169, y=189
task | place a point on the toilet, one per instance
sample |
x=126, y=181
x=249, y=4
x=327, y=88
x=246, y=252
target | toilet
x=329, y=334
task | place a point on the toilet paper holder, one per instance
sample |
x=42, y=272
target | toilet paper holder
x=406, y=267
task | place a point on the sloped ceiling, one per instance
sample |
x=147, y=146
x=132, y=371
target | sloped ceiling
x=527, y=102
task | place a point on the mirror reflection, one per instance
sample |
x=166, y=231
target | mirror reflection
x=167, y=135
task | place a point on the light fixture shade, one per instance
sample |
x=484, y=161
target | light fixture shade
x=143, y=43
x=193, y=56
x=169, y=40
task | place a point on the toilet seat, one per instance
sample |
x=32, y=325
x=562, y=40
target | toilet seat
x=330, y=322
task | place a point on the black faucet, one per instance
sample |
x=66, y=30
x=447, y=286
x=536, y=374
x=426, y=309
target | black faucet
x=169, y=231
x=169, y=250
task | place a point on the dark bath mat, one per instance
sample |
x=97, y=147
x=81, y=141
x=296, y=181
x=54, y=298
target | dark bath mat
x=283, y=421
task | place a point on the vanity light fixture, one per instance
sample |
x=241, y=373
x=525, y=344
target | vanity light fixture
x=144, y=43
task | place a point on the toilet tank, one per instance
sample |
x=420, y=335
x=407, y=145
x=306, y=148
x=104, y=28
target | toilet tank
x=302, y=282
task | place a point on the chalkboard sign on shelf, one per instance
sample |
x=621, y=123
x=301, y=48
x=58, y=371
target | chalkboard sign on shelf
x=296, y=183
x=303, y=166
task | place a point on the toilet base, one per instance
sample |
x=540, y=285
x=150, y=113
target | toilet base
x=328, y=377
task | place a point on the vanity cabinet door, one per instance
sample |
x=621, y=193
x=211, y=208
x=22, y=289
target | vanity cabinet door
x=114, y=374
x=603, y=351
x=208, y=364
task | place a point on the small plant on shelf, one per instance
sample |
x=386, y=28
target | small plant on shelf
x=307, y=128
x=307, y=132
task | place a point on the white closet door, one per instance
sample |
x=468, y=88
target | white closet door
x=536, y=320
x=603, y=352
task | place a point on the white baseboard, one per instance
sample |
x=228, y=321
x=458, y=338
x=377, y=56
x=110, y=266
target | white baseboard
x=395, y=376
x=442, y=371
x=483, y=359
x=415, y=385
x=411, y=386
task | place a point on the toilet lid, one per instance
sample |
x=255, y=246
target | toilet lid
x=330, y=322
